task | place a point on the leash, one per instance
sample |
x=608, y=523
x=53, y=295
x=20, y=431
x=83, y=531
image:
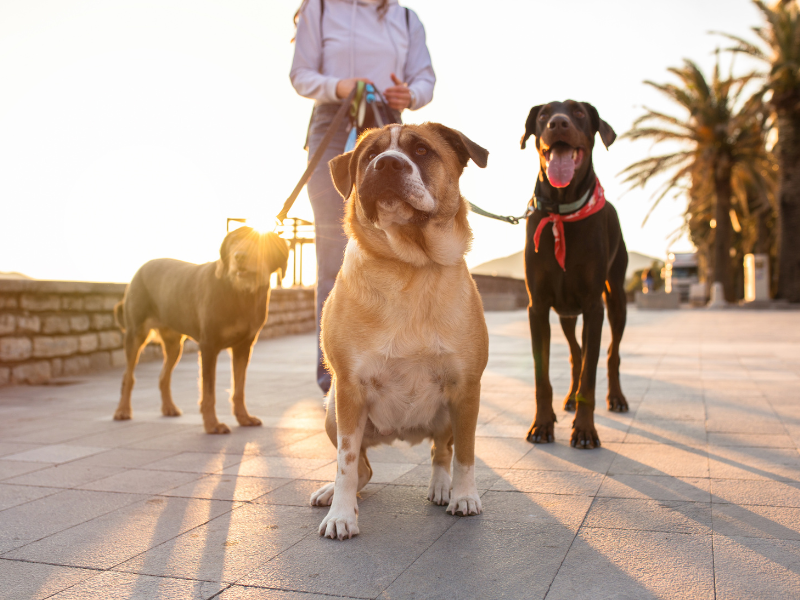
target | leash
x=485, y=213
x=312, y=164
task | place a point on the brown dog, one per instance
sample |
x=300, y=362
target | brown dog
x=403, y=330
x=222, y=304
x=573, y=264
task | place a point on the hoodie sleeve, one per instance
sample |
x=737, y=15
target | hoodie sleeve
x=305, y=75
x=419, y=71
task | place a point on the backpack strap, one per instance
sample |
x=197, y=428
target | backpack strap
x=408, y=26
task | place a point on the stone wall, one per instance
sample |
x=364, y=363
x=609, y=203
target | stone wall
x=501, y=293
x=51, y=329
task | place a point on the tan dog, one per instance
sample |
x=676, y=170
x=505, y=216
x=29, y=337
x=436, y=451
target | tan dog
x=403, y=330
x=221, y=304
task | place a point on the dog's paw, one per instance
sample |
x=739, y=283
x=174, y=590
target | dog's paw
x=542, y=433
x=122, y=415
x=171, y=411
x=465, y=504
x=439, y=488
x=584, y=437
x=617, y=403
x=248, y=421
x=569, y=403
x=323, y=496
x=217, y=428
x=341, y=525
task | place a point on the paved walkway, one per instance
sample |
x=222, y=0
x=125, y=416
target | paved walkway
x=694, y=494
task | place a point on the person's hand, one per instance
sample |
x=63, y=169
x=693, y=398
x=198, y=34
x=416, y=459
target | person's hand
x=345, y=86
x=398, y=96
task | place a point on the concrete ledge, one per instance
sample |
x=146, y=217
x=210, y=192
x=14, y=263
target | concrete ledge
x=501, y=293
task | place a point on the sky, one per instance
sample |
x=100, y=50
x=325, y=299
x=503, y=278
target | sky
x=131, y=130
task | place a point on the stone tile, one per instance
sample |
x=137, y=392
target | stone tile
x=549, y=482
x=117, y=536
x=685, y=433
x=126, y=586
x=275, y=466
x=11, y=468
x=651, y=459
x=140, y=481
x=650, y=515
x=227, y=487
x=635, y=565
x=748, y=567
x=538, y=509
x=31, y=581
x=362, y=566
x=400, y=452
x=656, y=487
x=7, y=448
x=14, y=495
x=34, y=520
x=68, y=475
x=560, y=456
x=56, y=453
x=498, y=554
x=732, y=520
x=196, y=462
x=420, y=476
x=772, y=440
x=777, y=464
x=238, y=592
x=761, y=492
x=381, y=472
x=674, y=410
x=298, y=493
x=393, y=499
x=500, y=453
x=229, y=546
x=128, y=458
x=316, y=446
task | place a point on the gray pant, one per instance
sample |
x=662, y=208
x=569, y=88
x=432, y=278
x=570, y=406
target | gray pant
x=328, y=206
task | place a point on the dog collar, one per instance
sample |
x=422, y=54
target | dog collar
x=541, y=202
x=595, y=203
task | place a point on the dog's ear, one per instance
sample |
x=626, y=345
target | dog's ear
x=530, y=125
x=343, y=172
x=277, y=250
x=465, y=148
x=604, y=129
x=222, y=262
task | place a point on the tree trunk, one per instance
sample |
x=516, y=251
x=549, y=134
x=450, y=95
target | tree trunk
x=788, y=151
x=722, y=233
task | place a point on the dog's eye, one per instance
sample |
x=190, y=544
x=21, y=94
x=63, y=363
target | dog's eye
x=542, y=117
x=372, y=156
x=579, y=114
x=421, y=151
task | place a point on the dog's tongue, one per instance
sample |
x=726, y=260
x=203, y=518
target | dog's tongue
x=560, y=167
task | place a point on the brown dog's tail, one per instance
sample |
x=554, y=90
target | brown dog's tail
x=119, y=314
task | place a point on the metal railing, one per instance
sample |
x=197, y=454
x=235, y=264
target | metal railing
x=297, y=232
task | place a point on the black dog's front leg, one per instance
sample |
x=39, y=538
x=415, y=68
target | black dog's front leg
x=584, y=434
x=543, y=428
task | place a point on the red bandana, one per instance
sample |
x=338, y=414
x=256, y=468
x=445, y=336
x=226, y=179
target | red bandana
x=595, y=203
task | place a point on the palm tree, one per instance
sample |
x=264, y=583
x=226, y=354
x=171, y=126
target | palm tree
x=781, y=36
x=716, y=138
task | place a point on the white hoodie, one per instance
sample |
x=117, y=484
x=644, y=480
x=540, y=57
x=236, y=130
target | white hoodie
x=349, y=39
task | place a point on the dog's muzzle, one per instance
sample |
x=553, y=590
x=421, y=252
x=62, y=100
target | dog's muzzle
x=391, y=178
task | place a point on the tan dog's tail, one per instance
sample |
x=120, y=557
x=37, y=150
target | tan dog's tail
x=119, y=314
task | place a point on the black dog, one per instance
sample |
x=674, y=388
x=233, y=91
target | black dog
x=581, y=258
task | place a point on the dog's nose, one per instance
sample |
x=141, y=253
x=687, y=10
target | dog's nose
x=390, y=161
x=558, y=121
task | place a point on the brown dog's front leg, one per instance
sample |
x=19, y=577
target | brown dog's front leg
x=543, y=428
x=208, y=374
x=584, y=434
x=464, y=499
x=240, y=358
